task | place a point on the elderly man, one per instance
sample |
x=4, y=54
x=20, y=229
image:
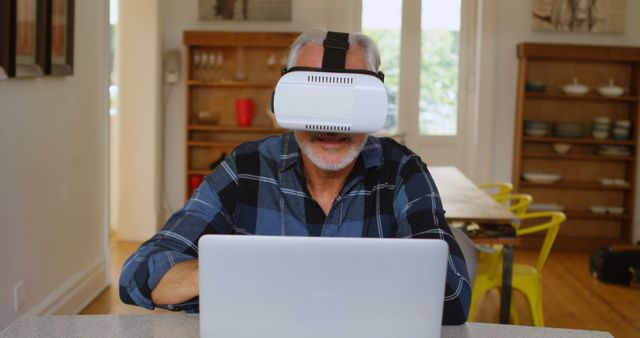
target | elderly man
x=300, y=184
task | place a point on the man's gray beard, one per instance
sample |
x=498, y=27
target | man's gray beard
x=352, y=155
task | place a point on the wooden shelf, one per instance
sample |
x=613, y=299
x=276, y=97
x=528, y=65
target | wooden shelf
x=216, y=90
x=548, y=139
x=588, y=97
x=574, y=52
x=582, y=167
x=239, y=39
x=236, y=129
x=574, y=214
x=573, y=185
x=230, y=84
x=578, y=157
x=199, y=172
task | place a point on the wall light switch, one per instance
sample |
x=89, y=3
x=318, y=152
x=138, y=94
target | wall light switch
x=172, y=66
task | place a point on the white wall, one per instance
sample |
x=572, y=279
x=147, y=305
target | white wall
x=178, y=16
x=512, y=27
x=53, y=196
x=138, y=210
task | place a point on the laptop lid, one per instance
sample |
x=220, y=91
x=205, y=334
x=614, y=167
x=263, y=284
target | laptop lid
x=286, y=287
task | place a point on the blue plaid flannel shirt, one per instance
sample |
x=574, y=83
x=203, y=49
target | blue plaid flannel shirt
x=261, y=190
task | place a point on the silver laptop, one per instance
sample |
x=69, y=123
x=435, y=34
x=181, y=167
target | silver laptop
x=293, y=287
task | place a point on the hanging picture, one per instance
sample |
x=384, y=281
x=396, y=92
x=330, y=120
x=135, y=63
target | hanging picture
x=61, y=35
x=593, y=16
x=245, y=10
x=6, y=50
x=29, y=53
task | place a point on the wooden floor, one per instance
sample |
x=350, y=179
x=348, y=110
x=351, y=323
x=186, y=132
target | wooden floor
x=572, y=298
x=108, y=302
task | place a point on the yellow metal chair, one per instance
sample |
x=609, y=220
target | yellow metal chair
x=526, y=278
x=496, y=189
x=518, y=203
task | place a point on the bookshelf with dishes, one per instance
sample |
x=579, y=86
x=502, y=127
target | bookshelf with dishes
x=230, y=80
x=575, y=141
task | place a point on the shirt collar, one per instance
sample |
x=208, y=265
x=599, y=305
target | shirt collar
x=371, y=153
x=290, y=151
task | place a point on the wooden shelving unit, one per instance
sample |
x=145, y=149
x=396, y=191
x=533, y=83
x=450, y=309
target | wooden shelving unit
x=588, y=97
x=568, y=157
x=578, y=140
x=236, y=84
x=574, y=185
x=221, y=68
x=582, y=168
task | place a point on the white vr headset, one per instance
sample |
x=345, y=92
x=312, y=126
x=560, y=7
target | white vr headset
x=331, y=98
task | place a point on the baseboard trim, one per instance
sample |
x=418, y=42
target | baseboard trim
x=76, y=292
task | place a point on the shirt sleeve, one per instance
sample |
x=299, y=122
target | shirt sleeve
x=420, y=214
x=204, y=213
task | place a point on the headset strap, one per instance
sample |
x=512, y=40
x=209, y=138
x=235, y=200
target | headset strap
x=335, y=50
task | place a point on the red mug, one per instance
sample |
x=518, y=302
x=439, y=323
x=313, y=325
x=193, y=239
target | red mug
x=195, y=181
x=245, y=111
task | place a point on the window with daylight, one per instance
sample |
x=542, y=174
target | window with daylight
x=381, y=20
x=439, y=55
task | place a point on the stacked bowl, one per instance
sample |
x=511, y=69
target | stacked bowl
x=536, y=128
x=568, y=129
x=621, y=130
x=600, y=128
x=535, y=87
x=610, y=150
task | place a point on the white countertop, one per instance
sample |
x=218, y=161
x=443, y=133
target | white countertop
x=182, y=325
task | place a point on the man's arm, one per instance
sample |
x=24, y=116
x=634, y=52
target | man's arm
x=420, y=214
x=163, y=271
x=178, y=285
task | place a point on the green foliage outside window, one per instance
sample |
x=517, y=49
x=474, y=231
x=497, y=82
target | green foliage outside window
x=438, y=78
x=439, y=82
x=389, y=44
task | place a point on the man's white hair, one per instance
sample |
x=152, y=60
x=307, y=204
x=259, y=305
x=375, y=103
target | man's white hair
x=317, y=36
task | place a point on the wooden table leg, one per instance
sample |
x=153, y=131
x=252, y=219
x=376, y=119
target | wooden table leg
x=507, y=272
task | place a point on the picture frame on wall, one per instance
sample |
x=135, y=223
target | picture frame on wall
x=244, y=10
x=60, y=35
x=7, y=49
x=585, y=16
x=36, y=38
x=29, y=18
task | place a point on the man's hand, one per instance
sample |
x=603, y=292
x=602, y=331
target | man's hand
x=178, y=285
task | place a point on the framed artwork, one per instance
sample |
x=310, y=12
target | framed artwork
x=7, y=50
x=60, y=34
x=29, y=37
x=590, y=16
x=245, y=10
x=36, y=37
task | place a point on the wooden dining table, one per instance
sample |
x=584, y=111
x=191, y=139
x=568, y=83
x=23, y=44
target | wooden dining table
x=464, y=202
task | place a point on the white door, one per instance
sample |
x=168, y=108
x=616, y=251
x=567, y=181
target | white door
x=428, y=56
